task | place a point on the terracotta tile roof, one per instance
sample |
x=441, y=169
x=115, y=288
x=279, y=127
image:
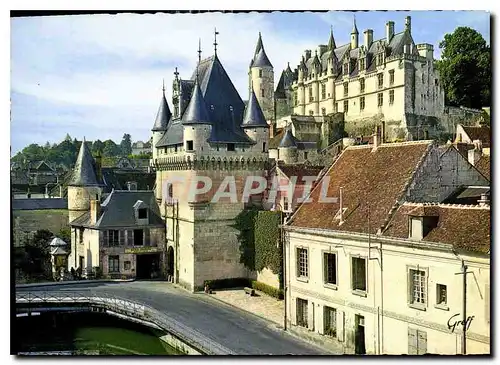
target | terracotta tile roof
x=300, y=170
x=479, y=133
x=371, y=181
x=465, y=227
x=483, y=165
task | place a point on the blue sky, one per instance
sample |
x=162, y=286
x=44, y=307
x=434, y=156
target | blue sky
x=100, y=76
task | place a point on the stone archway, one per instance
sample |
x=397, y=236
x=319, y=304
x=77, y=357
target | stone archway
x=170, y=263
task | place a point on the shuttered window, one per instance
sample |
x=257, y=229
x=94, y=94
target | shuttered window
x=417, y=342
x=147, y=237
x=330, y=321
x=302, y=312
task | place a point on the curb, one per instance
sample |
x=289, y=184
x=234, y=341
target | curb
x=76, y=282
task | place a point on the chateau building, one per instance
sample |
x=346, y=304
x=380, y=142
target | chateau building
x=210, y=134
x=390, y=80
x=388, y=222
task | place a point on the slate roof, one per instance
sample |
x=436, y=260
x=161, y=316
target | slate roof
x=288, y=140
x=484, y=166
x=84, y=172
x=284, y=83
x=276, y=140
x=467, y=195
x=482, y=133
x=224, y=105
x=39, y=204
x=254, y=117
x=118, y=211
x=465, y=227
x=372, y=180
x=162, y=116
x=260, y=58
x=196, y=112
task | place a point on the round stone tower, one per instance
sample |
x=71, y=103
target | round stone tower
x=261, y=75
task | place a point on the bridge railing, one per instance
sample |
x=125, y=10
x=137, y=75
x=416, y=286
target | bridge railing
x=129, y=308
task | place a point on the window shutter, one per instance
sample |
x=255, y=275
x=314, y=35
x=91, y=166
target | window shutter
x=412, y=341
x=106, y=239
x=340, y=326
x=147, y=237
x=121, y=238
x=409, y=284
x=422, y=342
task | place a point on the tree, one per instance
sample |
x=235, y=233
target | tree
x=68, y=137
x=36, y=263
x=98, y=145
x=110, y=148
x=465, y=68
x=126, y=144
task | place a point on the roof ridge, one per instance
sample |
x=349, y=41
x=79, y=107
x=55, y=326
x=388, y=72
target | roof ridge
x=447, y=205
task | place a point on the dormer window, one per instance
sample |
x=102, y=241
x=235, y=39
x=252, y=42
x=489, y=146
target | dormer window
x=346, y=68
x=142, y=213
x=380, y=59
x=416, y=228
x=362, y=64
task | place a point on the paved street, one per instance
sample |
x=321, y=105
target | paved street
x=235, y=329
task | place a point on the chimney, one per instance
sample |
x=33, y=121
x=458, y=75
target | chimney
x=389, y=30
x=484, y=201
x=307, y=54
x=341, y=209
x=473, y=156
x=368, y=35
x=408, y=24
x=95, y=210
x=272, y=129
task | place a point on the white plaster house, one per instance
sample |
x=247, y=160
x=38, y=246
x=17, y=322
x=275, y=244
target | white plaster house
x=358, y=277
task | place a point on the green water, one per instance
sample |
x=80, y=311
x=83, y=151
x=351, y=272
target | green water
x=87, y=334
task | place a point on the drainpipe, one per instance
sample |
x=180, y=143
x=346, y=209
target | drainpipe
x=464, y=310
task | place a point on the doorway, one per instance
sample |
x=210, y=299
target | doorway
x=148, y=266
x=170, y=260
x=359, y=336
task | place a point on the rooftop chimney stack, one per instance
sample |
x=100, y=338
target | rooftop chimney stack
x=341, y=210
x=368, y=35
x=473, y=156
x=389, y=30
x=95, y=210
x=408, y=24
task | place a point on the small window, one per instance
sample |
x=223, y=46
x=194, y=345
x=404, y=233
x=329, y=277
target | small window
x=323, y=91
x=346, y=69
x=380, y=78
x=441, y=295
x=285, y=204
x=391, y=77
x=330, y=321
x=361, y=85
x=346, y=106
x=423, y=78
x=418, y=287
x=80, y=234
x=362, y=103
x=305, y=155
x=113, y=237
x=263, y=146
x=127, y=265
x=138, y=237
x=262, y=93
x=302, y=262
x=362, y=64
x=311, y=98
x=114, y=263
x=336, y=107
x=302, y=312
x=260, y=73
x=346, y=88
x=311, y=112
x=230, y=147
x=143, y=213
x=330, y=266
x=380, y=99
x=295, y=99
x=323, y=111
x=391, y=97
x=358, y=274
x=436, y=82
x=189, y=145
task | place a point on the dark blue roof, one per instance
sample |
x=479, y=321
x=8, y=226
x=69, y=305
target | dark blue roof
x=163, y=115
x=84, y=173
x=261, y=59
x=253, y=114
x=288, y=140
x=196, y=112
x=39, y=204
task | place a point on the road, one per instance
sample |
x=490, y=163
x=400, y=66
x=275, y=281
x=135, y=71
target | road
x=235, y=329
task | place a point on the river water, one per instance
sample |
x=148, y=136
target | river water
x=84, y=333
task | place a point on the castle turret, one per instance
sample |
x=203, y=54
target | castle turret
x=261, y=76
x=331, y=42
x=255, y=126
x=84, y=184
x=354, y=35
x=287, y=148
x=162, y=118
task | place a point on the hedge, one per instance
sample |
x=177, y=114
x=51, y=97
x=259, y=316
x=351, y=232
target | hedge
x=267, y=289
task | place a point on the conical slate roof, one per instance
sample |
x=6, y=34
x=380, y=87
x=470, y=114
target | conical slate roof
x=84, y=173
x=288, y=140
x=354, y=27
x=258, y=47
x=196, y=112
x=331, y=42
x=261, y=59
x=253, y=114
x=56, y=241
x=163, y=115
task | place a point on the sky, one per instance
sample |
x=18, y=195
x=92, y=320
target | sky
x=100, y=76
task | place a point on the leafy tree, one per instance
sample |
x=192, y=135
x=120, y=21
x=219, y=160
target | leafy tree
x=465, y=68
x=98, y=145
x=110, y=148
x=36, y=263
x=126, y=144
